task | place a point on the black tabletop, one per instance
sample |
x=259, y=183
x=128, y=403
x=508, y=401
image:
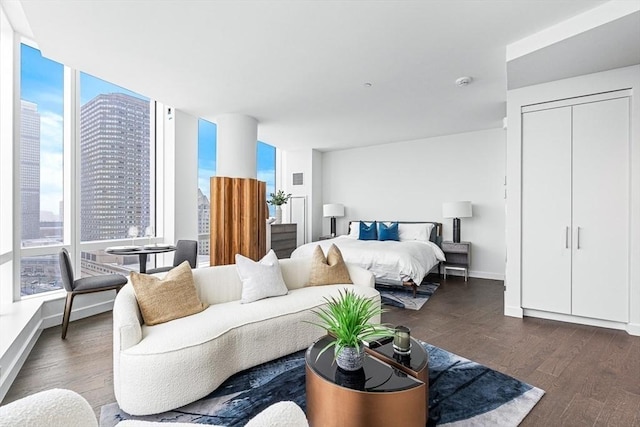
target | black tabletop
x=140, y=250
x=374, y=377
x=416, y=360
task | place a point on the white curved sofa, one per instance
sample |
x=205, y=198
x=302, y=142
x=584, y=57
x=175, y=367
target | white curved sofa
x=162, y=367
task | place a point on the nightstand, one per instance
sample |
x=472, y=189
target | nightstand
x=284, y=239
x=327, y=237
x=458, y=257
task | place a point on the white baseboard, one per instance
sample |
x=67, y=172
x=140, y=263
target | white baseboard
x=577, y=319
x=513, y=311
x=477, y=274
x=76, y=314
x=486, y=275
x=633, y=329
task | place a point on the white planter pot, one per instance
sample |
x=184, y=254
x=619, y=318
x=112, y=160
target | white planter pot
x=278, y=215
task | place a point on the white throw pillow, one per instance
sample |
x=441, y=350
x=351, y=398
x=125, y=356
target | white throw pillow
x=260, y=279
x=408, y=232
x=354, y=230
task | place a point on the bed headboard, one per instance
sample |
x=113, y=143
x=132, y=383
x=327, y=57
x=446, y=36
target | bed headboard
x=436, y=232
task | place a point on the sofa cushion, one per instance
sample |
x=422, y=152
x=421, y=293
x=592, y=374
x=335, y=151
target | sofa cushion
x=329, y=270
x=260, y=279
x=222, y=318
x=169, y=298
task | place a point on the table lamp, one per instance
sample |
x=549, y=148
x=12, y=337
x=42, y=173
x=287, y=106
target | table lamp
x=333, y=210
x=456, y=210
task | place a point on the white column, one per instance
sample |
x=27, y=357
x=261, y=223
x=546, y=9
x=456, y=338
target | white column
x=237, y=139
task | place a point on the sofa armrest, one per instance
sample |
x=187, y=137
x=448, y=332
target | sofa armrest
x=127, y=330
x=55, y=407
x=360, y=276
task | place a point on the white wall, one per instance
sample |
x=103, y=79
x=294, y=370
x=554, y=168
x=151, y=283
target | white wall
x=298, y=161
x=409, y=181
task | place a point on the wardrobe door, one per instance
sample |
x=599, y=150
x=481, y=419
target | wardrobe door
x=546, y=210
x=601, y=210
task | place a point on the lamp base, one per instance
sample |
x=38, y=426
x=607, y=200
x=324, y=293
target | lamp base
x=456, y=230
x=333, y=226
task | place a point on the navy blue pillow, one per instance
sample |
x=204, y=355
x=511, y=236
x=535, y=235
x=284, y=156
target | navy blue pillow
x=388, y=232
x=368, y=232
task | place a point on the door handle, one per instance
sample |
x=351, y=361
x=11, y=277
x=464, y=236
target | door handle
x=578, y=238
x=566, y=237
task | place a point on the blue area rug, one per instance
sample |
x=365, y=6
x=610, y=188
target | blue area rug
x=402, y=296
x=461, y=393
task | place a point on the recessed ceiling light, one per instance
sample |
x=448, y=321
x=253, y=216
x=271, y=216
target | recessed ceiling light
x=368, y=84
x=464, y=81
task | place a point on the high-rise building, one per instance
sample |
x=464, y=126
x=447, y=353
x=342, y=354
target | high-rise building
x=30, y=169
x=115, y=166
x=204, y=210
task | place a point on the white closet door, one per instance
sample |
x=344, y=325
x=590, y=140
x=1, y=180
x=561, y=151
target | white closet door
x=546, y=210
x=601, y=209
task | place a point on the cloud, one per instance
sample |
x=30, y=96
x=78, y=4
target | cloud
x=51, y=131
x=204, y=176
x=51, y=181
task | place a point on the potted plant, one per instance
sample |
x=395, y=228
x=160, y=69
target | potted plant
x=346, y=319
x=278, y=199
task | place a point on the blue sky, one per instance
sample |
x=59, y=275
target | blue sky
x=42, y=83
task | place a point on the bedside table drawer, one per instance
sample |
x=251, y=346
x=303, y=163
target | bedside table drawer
x=461, y=248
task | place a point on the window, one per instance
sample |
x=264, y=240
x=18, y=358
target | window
x=116, y=163
x=266, y=163
x=41, y=146
x=110, y=164
x=41, y=168
x=117, y=170
x=206, y=169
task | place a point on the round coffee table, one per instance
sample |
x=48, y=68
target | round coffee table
x=377, y=395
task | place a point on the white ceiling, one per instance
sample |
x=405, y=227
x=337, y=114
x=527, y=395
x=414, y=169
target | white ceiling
x=299, y=67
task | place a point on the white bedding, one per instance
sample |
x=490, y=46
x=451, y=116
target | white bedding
x=390, y=261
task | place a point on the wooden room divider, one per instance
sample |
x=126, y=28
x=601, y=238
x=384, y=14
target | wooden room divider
x=238, y=219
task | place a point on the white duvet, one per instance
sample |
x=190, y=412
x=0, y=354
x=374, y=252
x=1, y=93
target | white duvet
x=390, y=261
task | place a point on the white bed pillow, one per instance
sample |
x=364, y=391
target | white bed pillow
x=420, y=232
x=354, y=230
x=260, y=279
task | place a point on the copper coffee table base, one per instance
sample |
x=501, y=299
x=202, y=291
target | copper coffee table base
x=330, y=405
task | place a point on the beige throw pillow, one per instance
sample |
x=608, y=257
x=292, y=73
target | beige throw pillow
x=172, y=297
x=329, y=270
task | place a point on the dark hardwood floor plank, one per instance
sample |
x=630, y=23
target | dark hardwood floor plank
x=581, y=411
x=591, y=376
x=621, y=408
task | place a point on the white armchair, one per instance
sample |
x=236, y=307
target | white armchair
x=66, y=408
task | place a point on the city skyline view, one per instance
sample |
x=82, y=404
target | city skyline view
x=116, y=169
x=42, y=84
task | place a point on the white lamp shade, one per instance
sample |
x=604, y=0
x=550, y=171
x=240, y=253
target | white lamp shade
x=332, y=210
x=456, y=209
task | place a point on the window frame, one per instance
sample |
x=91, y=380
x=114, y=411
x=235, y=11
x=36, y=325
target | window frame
x=71, y=183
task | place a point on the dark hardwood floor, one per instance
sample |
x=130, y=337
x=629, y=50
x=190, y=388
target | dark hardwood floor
x=591, y=375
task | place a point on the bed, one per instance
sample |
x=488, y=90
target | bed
x=399, y=263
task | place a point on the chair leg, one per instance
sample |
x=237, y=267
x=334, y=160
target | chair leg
x=67, y=313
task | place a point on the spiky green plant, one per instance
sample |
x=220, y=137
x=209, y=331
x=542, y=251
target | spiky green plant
x=346, y=318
